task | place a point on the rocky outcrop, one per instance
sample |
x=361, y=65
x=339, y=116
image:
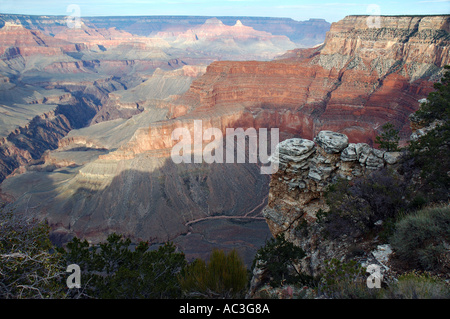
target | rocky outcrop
x=306, y=169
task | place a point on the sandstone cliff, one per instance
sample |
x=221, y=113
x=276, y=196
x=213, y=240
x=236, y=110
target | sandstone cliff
x=359, y=79
x=31, y=42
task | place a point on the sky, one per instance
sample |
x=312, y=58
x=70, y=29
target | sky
x=329, y=10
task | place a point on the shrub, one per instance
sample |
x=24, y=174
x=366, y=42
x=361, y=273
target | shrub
x=345, y=281
x=413, y=285
x=112, y=270
x=224, y=276
x=429, y=154
x=420, y=239
x=438, y=102
x=356, y=205
x=28, y=266
x=278, y=257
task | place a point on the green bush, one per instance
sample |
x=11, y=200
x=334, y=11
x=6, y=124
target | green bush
x=113, y=270
x=224, y=276
x=438, y=105
x=355, y=206
x=345, y=281
x=421, y=239
x=389, y=138
x=413, y=285
x=430, y=154
x=278, y=257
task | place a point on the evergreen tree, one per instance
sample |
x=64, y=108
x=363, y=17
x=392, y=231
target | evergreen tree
x=388, y=140
x=430, y=153
x=279, y=256
x=114, y=270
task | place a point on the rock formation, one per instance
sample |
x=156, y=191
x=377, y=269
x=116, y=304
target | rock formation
x=31, y=42
x=297, y=195
x=41, y=118
x=307, y=168
x=298, y=206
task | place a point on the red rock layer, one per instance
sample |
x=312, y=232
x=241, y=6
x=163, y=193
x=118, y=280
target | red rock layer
x=358, y=80
x=32, y=42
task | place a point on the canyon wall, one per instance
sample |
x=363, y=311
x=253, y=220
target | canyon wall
x=28, y=140
x=358, y=80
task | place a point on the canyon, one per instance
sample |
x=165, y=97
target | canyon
x=88, y=125
x=302, y=33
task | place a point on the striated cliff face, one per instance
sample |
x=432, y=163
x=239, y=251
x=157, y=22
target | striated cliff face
x=419, y=42
x=359, y=79
x=30, y=42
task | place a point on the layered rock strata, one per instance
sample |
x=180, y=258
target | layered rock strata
x=359, y=79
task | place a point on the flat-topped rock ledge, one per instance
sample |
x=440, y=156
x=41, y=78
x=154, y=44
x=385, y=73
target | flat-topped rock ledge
x=331, y=142
x=330, y=155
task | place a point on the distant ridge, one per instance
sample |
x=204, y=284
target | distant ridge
x=303, y=33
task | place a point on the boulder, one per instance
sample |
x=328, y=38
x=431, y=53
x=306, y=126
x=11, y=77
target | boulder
x=295, y=150
x=331, y=142
x=349, y=153
x=392, y=157
x=363, y=151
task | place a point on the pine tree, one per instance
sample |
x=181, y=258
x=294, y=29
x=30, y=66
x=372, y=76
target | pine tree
x=388, y=140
